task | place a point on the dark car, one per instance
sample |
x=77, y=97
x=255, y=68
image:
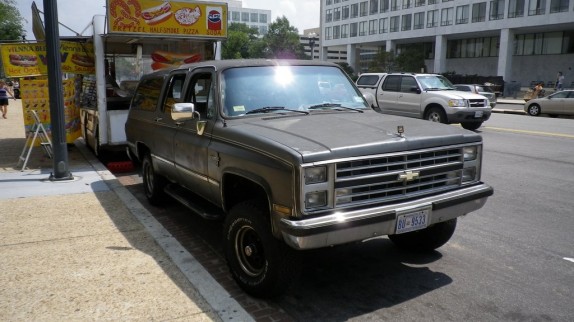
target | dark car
x=479, y=89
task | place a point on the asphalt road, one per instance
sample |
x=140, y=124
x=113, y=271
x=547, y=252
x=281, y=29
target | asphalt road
x=513, y=260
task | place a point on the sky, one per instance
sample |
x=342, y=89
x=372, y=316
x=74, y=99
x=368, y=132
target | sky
x=77, y=14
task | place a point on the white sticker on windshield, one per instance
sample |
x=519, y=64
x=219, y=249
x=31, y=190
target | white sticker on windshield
x=238, y=108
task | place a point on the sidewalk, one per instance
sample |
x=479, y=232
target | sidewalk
x=85, y=249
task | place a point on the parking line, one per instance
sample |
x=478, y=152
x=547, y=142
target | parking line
x=568, y=136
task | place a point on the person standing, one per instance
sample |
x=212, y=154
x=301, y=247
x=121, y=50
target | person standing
x=560, y=81
x=4, y=91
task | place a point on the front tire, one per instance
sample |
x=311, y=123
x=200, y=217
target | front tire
x=427, y=239
x=472, y=126
x=534, y=110
x=260, y=264
x=436, y=114
x=153, y=183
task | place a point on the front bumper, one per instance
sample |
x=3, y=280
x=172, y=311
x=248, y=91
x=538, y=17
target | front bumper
x=349, y=226
x=466, y=115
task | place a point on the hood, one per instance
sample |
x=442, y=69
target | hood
x=456, y=95
x=333, y=135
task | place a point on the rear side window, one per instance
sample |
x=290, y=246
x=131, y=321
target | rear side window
x=463, y=88
x=368, y=80
x=392, y=83
x=147, y=94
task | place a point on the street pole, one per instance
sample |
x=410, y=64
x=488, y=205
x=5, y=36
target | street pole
x=55, y=90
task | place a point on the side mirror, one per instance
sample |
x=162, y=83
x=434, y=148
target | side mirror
x=370, y=98
x=182, y=111
x=416, y=89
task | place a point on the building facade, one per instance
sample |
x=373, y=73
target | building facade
x=258, y=18
x=521, y=40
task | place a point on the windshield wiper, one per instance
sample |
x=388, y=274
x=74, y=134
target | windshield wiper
x=268, y=109
x=318, y=106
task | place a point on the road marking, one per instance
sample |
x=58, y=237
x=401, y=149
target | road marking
x=569, y=136
x=569, y=259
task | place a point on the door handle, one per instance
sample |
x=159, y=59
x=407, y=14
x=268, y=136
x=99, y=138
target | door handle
x=158, y=119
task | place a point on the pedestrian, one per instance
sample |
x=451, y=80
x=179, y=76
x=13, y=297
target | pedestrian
x=560, y=81
x=4, y=91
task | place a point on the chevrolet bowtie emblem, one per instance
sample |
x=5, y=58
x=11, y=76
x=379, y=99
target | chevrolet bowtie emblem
x=409, y=176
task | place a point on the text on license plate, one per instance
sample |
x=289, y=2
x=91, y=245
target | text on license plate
x=478, y=114
x=411, y=221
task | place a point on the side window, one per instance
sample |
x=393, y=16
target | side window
x=147, y=94
x=199, y=93
x=392, y=83
x=463, y=88
x=407, y=83
x=173, y=92
x=368, y=80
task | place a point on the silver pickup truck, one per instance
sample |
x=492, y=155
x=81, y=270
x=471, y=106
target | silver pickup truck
x=427, y=96
x=290, y=156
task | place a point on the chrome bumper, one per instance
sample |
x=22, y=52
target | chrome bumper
x=349, y=226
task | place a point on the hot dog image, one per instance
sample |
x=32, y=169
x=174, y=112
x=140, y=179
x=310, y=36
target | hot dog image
x=23, y=60
x=82, y=60
x=157, y=14
x=162, y=59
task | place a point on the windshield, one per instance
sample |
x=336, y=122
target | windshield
x=435, y=82
x=287, y=89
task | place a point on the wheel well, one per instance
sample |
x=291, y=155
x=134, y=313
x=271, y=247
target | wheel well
x=142, y=150
x=237, y=189
x=428, y=107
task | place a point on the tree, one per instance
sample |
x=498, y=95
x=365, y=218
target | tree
x=240, y=40
x=411, y=59
x=384, y=62
x=282, y=40
x=11, y=21
x=347, y=68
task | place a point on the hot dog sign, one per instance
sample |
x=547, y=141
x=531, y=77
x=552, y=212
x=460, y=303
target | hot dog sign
x=175, y=18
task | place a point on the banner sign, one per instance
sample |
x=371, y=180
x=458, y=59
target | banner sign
x=168, y=18
x=29, y=59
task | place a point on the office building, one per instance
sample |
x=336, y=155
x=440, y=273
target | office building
x=520, y=40
x=258, y=18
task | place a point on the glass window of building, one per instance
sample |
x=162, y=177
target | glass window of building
x=263, y=18
x=263, y=30
x=345, y=31
x=337, y=1
x=536, y=7
x=385, y=5
x=479, y=12
x=383, y=25
x=407, y=4
x=354, y=10
x=374, y=5
x=372, y=27
x=337, y=14
x=496, y=10
x=432, y=18
x=395, y=5
x=254, y=17
x=353, y=29
x=515, y=8
x=328, y=33
x=552, y=43
x=364, y=8
x=462, y=14
x=336, y=32
x=362, y=28
x=245, y=16
x=406, y=22
x=329, y=15
x=419, y=20
x=420, y=3
x=235, y=16
x=559, y=5
x=433, y=1
x=394, y=24
x=446, y=16
x=328, y=2
x=346, y=12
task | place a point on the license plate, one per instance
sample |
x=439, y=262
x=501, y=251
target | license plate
x=478, y=114
x=412, y=221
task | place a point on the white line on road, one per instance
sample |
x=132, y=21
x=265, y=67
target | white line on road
x=569, y=259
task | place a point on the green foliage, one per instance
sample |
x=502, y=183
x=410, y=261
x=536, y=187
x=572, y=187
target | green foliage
x=11, y=21
x=282, y=40
x=347, y=68
x=411, y=59
x=384, y=62
x=240, y=39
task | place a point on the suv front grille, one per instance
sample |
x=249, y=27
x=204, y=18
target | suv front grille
x=477, y=103
x=378, y=179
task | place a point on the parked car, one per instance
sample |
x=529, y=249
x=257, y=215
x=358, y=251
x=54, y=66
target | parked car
x=479, y=89
x=559, y=103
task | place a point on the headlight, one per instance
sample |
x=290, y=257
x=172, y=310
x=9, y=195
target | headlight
x=468, y=174
x=458, y=103
x=315, y=175
x=470, y=153
x=316, y=199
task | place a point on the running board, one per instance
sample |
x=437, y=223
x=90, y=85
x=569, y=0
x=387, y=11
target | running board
x=194, y=202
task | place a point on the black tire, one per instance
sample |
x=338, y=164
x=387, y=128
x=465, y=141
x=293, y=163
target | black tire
x=427, y=239
x=534, y=109
x=471, y=125
x=261, y=265
x=153, y=183
x=436, y=114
